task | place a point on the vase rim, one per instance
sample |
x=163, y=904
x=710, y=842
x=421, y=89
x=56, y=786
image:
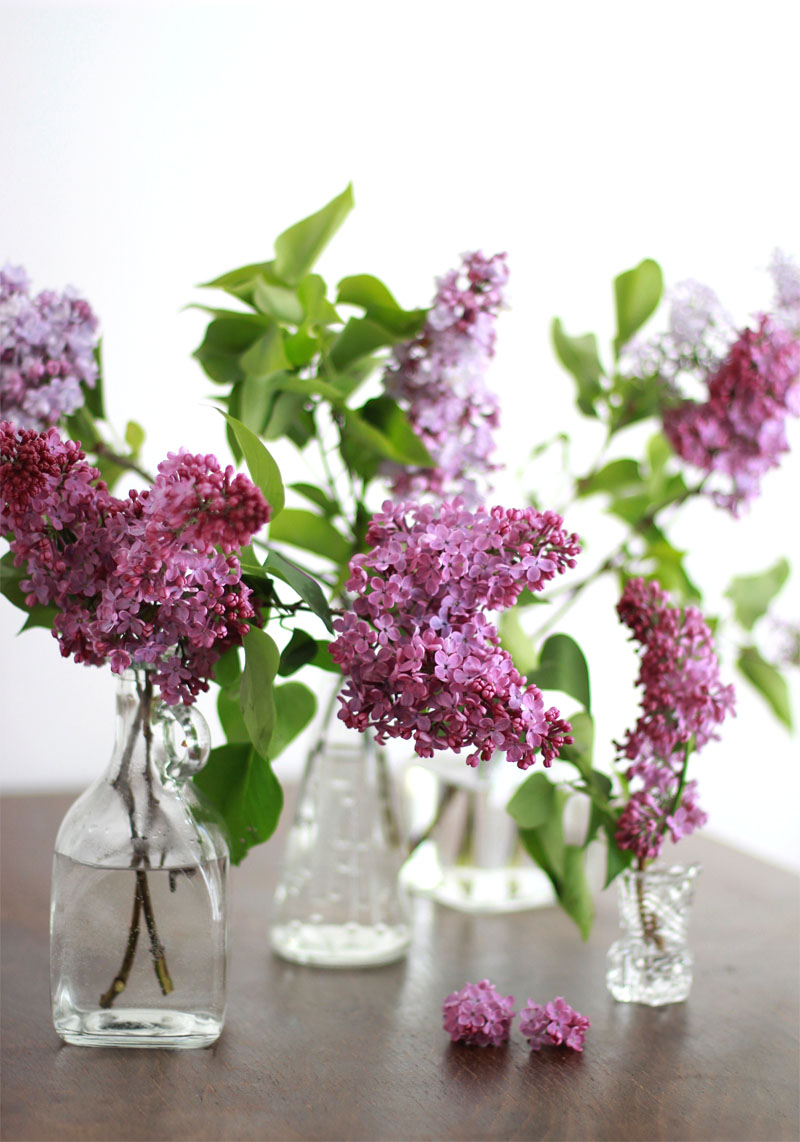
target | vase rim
x=664, y=872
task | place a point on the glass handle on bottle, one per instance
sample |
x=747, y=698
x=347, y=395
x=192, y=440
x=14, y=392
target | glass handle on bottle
x=186, y=739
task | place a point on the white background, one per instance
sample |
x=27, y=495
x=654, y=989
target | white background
x=147, y=148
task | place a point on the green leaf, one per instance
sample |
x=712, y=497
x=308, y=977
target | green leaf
x=304, y=585
x=581, y=751
x=386, y=415
x=323, y=660
x=633, y=399
x=256, y=399
x=752, y=594
x=94, y=396
x=312, y=532
x=668, y=569
x=533, y=801
x=278, y=302
x=258, y=705
x=134, y=437
x=229, y=712
x=243, y=788
x=562, y=666
x=312, y=292
x=226, y=340
x=545, y=843
x=39, y=616
x=614, y=477
x=580, y=357
x=617, y=860
x=360, y=337
x=575, y=895
x=263, y=469
x=637, y=292
x=518, y=644
x=227, y=669
x=241, y=282
x=297, y=248
x=768, y=681
x=300, y=650
x=365, y=291
x=266, y=355
x=317, y=497
x=295, y=706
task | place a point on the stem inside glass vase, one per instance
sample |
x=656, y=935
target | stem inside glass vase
x=142, y=902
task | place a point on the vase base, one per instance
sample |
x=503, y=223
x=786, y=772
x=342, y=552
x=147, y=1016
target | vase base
x=470, y=888
x=647, y=978
x=340, y=945
x=138, y=1027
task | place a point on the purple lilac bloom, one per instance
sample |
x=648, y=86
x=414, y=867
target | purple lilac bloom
x=137, y=580
x=682, y=703
x=438, y=378
x=555, y=1022
x=47, y=348
x=738, y=433
x=786, y=279
x=478, y=1015
x=421, y=659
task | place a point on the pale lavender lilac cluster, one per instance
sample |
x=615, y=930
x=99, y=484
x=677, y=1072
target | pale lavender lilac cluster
x=420, y=657
x=683, y=701
x=439, y=379
x=133, y=581
x=554, y=1023
x=47, y=345
x=479, y=1016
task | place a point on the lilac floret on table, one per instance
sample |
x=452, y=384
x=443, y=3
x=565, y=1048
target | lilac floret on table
x=478, y=1015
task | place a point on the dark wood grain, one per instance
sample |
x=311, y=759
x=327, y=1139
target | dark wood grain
x=315, y=1054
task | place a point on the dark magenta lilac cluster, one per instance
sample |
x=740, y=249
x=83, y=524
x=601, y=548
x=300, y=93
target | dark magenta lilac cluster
x=683, y=702
x=420, y=656
x=439, y=378
x=479, y=1016
x=47, y=345
x=149, y=579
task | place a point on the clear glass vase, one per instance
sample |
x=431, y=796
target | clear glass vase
x=652, y=963
x=465, y=848
x=339, y=902
x=138, y=920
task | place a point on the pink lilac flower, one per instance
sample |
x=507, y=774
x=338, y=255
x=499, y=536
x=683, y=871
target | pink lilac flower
x=438, y=378
x=554, y=1023
x=421, y=659
x=47, y=348
x=478, y=1015
x=137, y=580
x=738, y=433
x=683, y=702
x=786, y=279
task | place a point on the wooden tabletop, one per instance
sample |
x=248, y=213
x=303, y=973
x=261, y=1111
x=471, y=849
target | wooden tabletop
x=316, y=1054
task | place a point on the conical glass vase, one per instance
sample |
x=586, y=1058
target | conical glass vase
x=339, y=903
x=138, y=921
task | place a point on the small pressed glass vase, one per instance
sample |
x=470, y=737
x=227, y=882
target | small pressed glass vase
x=339, y=903
x=138, y=919
x=652, y=963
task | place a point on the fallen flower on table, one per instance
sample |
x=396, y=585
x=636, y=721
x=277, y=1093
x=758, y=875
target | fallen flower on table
x=556, y=1022
x=478, y=1015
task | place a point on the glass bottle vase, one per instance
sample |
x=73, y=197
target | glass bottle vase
x=652, y=963
x=138, y=920
x=339, y=902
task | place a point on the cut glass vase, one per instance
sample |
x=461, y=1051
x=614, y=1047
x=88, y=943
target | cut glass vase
x=652, y=962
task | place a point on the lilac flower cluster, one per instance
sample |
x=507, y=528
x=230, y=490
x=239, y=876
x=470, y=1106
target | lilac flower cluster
x=555, y=1022
x=137, y=580
x=682, y=703
x=479, y=1016
x=421, y=659
x=739, y=430
x=47, y=347
x=439, y=379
